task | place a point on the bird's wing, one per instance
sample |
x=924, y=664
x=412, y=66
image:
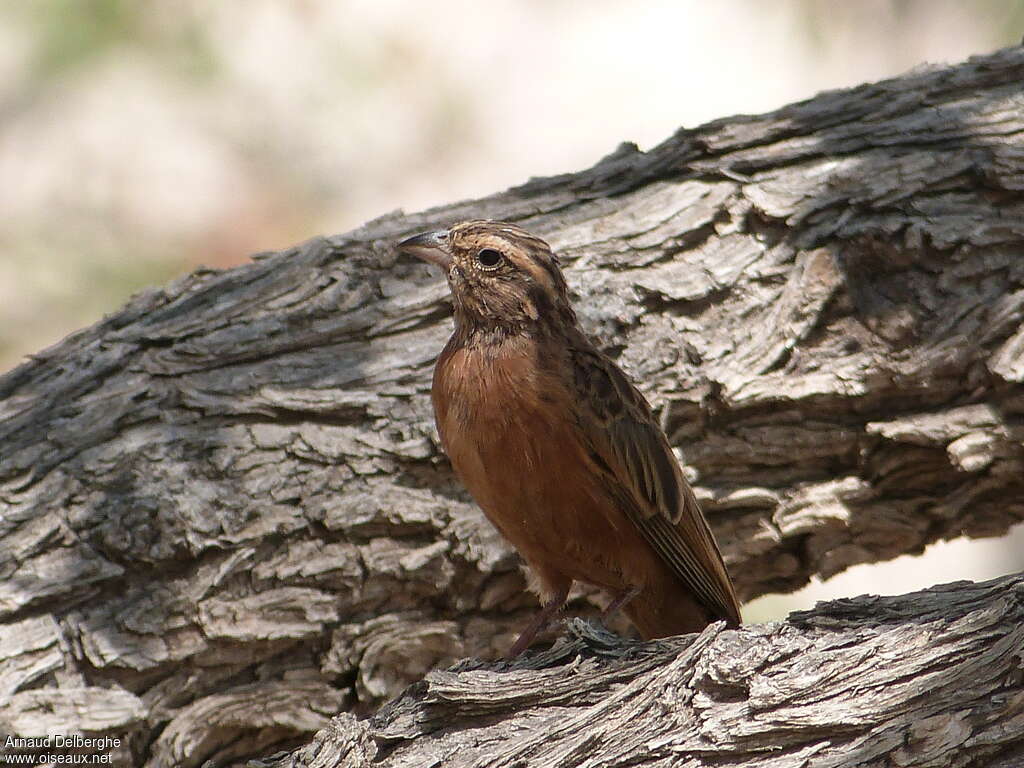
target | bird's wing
x=632, y=450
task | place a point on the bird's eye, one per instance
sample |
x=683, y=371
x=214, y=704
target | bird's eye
x=488, y=258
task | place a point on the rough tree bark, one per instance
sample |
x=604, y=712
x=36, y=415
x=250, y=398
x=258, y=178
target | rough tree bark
x=225, y=517
x=932, y=679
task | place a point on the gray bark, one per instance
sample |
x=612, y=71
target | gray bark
x=930, y=679
x=224, y=515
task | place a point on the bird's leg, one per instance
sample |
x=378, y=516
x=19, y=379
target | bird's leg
x=538, y=622
x=618, y=602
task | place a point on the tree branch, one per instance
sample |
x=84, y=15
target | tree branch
x=932, y=678
x=224, y=512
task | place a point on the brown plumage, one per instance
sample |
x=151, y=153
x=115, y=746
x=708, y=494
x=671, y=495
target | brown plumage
x=556, y=445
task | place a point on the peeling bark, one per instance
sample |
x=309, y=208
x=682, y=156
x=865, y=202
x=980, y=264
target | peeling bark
x=224, y=515
x=934, y=678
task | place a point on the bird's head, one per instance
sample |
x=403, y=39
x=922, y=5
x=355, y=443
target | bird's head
x=502, y=278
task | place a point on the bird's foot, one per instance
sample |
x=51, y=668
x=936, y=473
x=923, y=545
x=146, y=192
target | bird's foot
x=538, y=622
x=618, y=602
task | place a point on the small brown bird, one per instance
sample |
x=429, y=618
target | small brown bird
x=556, y=445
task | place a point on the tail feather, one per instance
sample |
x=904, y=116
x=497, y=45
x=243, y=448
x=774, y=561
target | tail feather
x=658, y=613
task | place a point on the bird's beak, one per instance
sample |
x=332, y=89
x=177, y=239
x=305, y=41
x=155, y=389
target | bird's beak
x=430, y=246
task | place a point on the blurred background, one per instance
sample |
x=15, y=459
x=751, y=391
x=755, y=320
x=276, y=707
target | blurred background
x=139, y=140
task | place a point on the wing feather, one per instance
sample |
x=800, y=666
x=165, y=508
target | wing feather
x=633, y=449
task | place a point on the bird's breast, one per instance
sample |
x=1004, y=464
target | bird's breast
x=506, y=421
x=494, y=395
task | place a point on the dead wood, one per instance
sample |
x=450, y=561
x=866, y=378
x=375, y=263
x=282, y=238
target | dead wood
x=934, y=678
x=224, y=515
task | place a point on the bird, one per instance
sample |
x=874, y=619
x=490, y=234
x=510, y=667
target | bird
x=558, y=447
